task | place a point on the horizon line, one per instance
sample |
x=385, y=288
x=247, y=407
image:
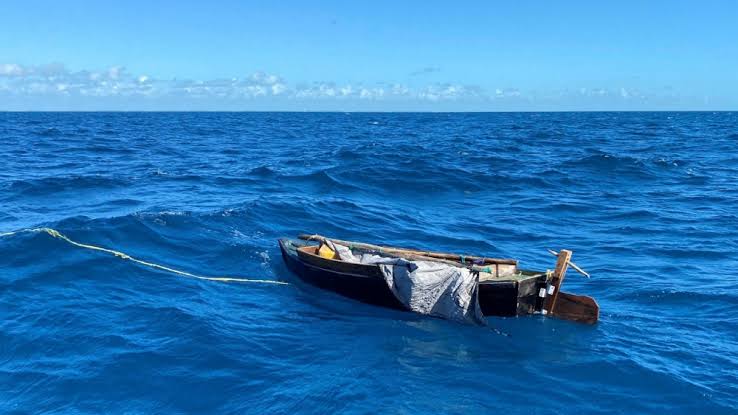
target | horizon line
x=356, y=111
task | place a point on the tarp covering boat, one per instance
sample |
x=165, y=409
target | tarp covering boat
x=425, y=287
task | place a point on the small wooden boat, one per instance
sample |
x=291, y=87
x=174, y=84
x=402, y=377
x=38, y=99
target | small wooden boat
x=504, y=290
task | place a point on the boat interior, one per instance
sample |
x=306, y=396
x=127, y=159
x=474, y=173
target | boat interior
x=488, y=272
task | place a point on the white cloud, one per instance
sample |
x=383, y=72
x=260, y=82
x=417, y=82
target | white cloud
x=114, y=72
x=365, y=93
x=278, y=89
x=346, y=90
x=630, y=93
x=11, y=69
x=449, y=92
x=399, y=90
x=116, y=81
x=507, y=93
x=21, y=82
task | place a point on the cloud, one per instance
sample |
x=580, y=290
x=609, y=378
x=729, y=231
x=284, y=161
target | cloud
x=23, y=86
x=55, y=79
x=452, y=92
x=507, y=93
x=116, y=81
x=11, y=69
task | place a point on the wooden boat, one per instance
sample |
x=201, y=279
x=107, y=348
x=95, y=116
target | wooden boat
x=504, y=290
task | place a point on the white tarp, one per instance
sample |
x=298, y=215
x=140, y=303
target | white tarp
x=427, y=287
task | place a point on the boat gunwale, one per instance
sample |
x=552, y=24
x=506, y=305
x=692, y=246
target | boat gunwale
x=304, y=249
x=333, y=271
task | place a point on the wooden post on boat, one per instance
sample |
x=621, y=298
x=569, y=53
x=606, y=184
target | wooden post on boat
x=562, y=264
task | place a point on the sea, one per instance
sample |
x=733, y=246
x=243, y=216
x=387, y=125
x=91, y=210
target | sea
x=647, y=201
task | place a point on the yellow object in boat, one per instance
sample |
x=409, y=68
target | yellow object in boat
x=326, y=251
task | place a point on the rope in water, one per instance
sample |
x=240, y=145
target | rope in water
x=58, y=235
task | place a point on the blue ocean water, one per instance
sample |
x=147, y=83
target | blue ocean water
x=648, y=202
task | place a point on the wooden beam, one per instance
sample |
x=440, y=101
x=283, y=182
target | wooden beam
x=562, y=264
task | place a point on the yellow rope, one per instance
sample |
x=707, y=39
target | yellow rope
x=56, y=234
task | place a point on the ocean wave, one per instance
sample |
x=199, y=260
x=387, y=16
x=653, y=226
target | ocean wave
x=609, y=163
x=49, y=132
x=45, y=186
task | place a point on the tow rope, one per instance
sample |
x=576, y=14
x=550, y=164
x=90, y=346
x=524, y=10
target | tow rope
x=58, y=235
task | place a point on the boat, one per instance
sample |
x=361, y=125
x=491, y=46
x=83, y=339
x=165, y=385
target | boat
x=504, y=290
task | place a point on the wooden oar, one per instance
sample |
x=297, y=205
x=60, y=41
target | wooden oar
x=389, y=249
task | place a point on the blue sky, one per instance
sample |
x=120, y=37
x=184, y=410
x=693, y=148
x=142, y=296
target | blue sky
x=378, y=55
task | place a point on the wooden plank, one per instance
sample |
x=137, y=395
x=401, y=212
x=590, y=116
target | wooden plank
x=562, y=264
x=389, y=249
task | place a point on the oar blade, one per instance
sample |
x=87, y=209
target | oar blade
x=579, y=308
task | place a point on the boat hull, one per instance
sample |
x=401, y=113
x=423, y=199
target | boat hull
x=365, y=283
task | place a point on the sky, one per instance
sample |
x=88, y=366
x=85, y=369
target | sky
x=369, y=56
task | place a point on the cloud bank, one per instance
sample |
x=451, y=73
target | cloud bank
x=55, y=87
x=55, y=79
